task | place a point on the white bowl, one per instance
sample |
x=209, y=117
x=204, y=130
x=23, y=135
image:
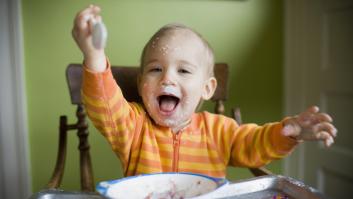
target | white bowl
x=160, y=185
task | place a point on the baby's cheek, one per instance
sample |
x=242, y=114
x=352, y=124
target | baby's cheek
x=190, y=104
x=146, y=88
x=144, y=85
x=145, y=92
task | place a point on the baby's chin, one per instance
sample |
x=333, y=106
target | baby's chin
x=174, y=124
x=167, y=123
x=176, y=121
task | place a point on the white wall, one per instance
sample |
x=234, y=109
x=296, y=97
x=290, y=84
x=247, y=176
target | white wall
x=14, y=158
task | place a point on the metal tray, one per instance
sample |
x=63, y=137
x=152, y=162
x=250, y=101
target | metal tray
x=265, y=187
x=60, y=194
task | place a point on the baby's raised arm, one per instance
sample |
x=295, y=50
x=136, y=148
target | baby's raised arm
x=94, y=56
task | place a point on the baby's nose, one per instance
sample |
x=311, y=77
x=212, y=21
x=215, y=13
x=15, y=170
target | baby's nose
x=168, y=79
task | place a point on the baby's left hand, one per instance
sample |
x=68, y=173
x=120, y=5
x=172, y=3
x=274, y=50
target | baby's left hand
x=311, y=125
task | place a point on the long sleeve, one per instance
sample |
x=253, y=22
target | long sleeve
x=118, y=120
x=247, y=145
x=255, y=146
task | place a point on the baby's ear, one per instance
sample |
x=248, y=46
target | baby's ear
x=210, y=88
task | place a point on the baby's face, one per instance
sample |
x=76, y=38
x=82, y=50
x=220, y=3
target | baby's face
x=175, y=78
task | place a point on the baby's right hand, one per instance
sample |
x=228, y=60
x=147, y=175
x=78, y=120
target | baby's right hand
x=82, y=33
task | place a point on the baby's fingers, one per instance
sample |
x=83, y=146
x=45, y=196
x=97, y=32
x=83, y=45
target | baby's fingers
x=311, y=117
x=83, y=17
x=307, y=117
x=327, y=127
x=329, y=142
x=313, y=109
x=321, y=117
x=324, y=136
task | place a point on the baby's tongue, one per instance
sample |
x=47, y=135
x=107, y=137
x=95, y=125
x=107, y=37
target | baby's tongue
x=167, y=104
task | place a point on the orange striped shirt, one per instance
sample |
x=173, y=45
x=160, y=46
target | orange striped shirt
x=207, y=145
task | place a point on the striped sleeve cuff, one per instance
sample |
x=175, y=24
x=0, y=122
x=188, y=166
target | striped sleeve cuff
x=98, y=84
x=282, y=144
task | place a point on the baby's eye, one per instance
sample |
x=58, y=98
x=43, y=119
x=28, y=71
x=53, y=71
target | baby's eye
x=155, y=69
x=185, y=71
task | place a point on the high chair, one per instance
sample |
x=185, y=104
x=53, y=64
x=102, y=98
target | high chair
x=126, y=78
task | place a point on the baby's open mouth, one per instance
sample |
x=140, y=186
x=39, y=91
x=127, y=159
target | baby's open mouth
x=168, y=103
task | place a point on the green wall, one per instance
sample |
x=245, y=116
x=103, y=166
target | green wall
x=246, y=34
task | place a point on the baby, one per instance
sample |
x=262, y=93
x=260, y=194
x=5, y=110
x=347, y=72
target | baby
x=165, y=134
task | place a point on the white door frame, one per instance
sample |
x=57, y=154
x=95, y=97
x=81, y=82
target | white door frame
x=295, y=65
x=311, y=43
x=15, y=179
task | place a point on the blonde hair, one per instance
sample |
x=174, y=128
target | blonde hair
x=175, y=26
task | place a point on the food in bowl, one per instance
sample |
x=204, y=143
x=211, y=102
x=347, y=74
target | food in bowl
x=160, y=185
